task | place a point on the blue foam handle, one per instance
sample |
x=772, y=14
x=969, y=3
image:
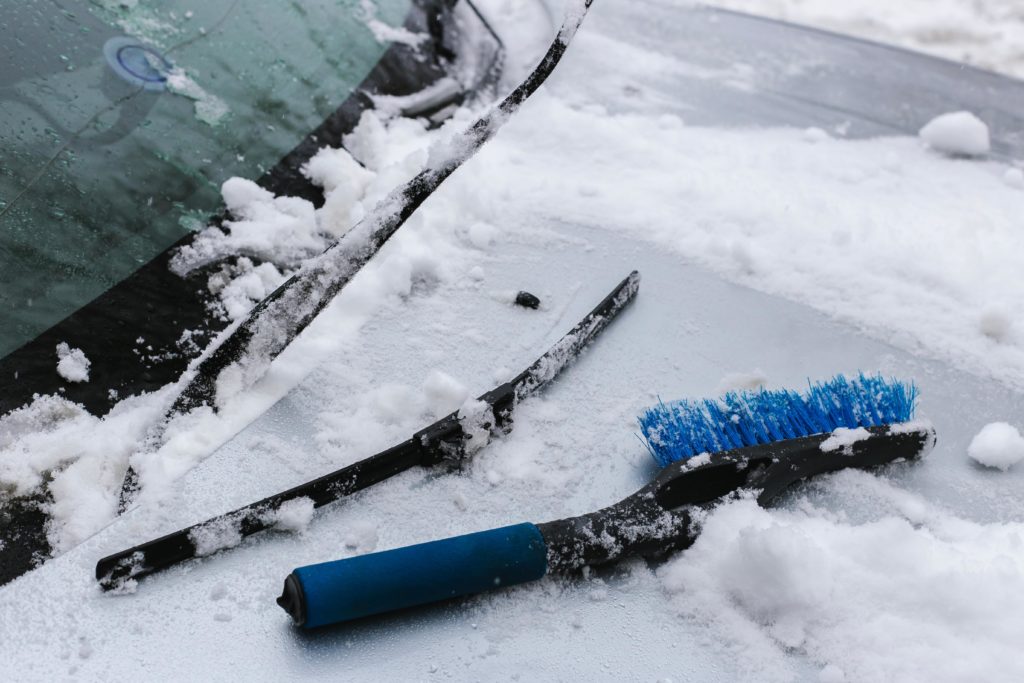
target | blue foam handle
x=360, y=586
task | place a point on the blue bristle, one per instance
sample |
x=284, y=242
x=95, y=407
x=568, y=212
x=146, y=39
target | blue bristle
x=681, y=429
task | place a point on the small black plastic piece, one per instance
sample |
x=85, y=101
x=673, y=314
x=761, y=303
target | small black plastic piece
x=293, y=599
x=527, y=300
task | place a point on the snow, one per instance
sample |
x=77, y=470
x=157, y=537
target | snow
x=209, y=108
x=875, y=253
x=385, y=33
x=984, y=34
x=210, y=538
x=72, y=364
x=930, y=597
x=476, y=419
x=1014, y=177
x=995, y=323
x=957, y=133
x=443, y=392
x=741, y=381
x=294, y=515
x=998, y=445
x=345, y=181
x=281, y=230
x=362, y=536
x=843, y=439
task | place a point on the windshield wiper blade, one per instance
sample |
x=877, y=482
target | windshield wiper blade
x=279, y=318
x=445, y=441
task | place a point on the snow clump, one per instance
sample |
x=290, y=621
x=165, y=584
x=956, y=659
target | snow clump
x=444, y=393
x=1014, y=178
x=995, y=323
x=843, y=439
x=957, y=133
x=362, y=536
x=294, y=515
x=766, y=581
x=72, y=364
x=998, y=445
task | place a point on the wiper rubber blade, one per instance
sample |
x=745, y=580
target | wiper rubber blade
x=444, y=441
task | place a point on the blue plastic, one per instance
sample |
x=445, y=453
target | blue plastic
x=683, y=429
x=415, y=575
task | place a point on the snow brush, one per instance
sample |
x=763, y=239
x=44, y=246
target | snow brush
x=449, y=441
x=760, y=441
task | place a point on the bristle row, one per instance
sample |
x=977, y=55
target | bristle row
x=681, y=429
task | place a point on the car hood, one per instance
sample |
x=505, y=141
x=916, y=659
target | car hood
x=574, y=449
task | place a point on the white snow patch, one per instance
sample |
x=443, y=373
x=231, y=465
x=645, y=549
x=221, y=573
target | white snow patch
x=476, y=417
x=482, y=235
x=830, y=673
x=242, y=285
x=72, y=364
x=215, y=536
x=294, y=515
x=1014, y=178
x=84, y=456
x=740, y=381
x=385, y=33
x=998, y=444
x=698, y=460
x=985, y=34
x=361, y=536
x=957, y=133
x=995, y=323
x=907, y=592
x=825, y=237
x=209, y=108
x=345, y=182
x=815, y=134
x=444, y=393
x=281, y=230
x=843, y=438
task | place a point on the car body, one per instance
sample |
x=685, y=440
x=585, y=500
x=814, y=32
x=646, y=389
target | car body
x=344, y=393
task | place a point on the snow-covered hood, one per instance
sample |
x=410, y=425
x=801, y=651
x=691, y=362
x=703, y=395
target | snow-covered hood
x=769, y=184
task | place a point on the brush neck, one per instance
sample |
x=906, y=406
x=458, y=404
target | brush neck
x=659, y=518
x=637, y=525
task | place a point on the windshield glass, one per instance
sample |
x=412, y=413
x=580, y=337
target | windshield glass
x=120, y=120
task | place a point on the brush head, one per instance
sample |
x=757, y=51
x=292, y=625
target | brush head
x=682, y=429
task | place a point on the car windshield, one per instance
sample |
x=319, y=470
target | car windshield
x=119, y=122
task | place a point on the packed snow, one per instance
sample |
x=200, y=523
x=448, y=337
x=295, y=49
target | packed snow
x=858, y=577
x=72, y=364
x=843, y=438
x=985, y=34
x=1014, y=177
x=957, y=133
x=294, y=515
x=362, y=536
x=998, y=444
x=915, y=594
x=213, y=537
